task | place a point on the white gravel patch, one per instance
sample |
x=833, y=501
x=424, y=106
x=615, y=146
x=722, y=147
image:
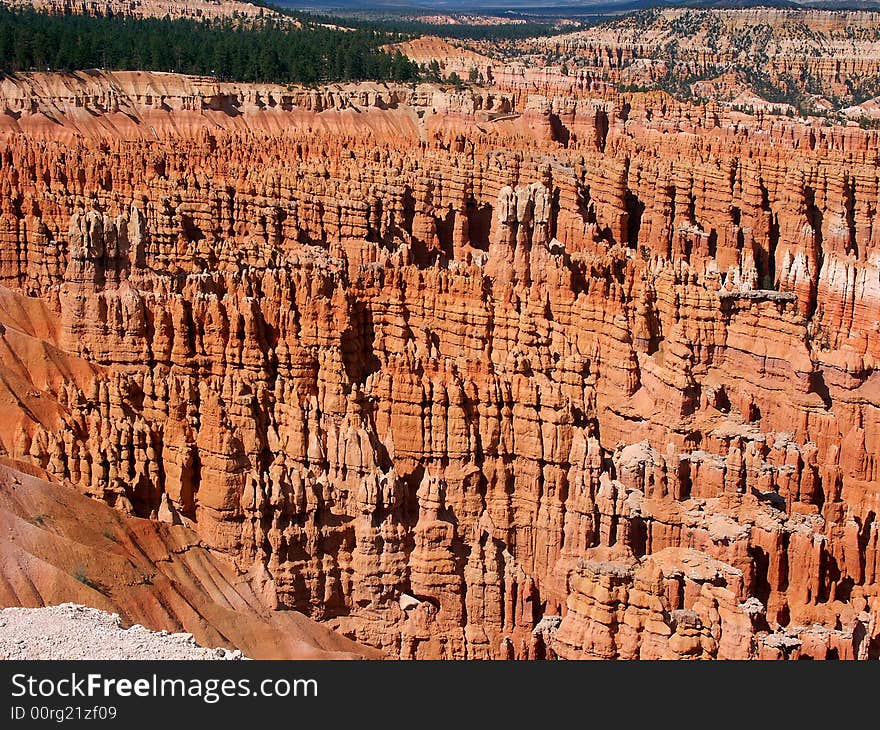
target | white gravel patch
x=71, y=631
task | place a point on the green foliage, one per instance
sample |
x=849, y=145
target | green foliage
x=39, y=519
x=79, y=573
x=433, y=70
x=863, y=88
x=274, y=52
x=463, y=32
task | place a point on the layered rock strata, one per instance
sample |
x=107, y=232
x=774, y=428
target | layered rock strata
x=761, y=59
x=598, y=383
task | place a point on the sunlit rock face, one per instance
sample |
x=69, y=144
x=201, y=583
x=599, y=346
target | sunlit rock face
x=462, y=387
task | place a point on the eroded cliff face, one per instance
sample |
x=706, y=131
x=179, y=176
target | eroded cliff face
x=757, y=58
x=592, y=384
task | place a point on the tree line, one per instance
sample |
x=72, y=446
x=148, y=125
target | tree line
x=227, y=49
x=385, y=21
x=462, y=32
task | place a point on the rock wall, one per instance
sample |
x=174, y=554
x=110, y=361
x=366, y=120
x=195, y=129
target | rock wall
x=802, y=52
x=596, y=385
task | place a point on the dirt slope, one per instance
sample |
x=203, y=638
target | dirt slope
x=58, y=546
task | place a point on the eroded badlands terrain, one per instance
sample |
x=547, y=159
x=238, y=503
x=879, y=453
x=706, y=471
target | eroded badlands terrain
x=760, y=60
x=460, y=373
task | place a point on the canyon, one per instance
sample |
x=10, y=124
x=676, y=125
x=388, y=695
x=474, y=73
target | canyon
x=499, y=371
x=780, y=61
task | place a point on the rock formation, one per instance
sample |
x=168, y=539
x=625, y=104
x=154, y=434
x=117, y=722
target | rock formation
x=456, y=376
x=760, y=59
x=58, y=546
